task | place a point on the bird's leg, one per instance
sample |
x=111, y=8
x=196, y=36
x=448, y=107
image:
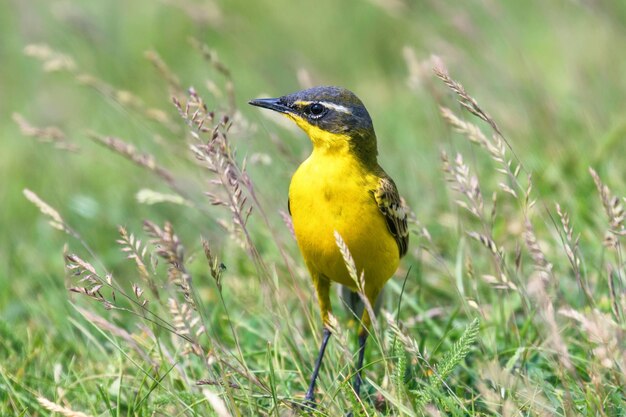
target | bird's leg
x=371, y=295
x=310, y=394
x=322, y=287
x=359, y=364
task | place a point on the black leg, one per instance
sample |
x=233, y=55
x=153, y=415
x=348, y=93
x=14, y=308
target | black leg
x=311, y=391
x=357, y=378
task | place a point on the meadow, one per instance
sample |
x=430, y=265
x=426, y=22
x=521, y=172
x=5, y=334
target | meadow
x=147, y=267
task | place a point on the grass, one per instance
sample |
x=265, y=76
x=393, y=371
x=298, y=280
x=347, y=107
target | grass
x=149, y=269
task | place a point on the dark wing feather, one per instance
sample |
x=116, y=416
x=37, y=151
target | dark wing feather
x=392, y=207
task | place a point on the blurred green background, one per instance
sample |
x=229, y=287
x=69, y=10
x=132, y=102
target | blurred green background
x=552, y=73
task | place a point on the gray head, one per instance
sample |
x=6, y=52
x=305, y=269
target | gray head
x=331, y=109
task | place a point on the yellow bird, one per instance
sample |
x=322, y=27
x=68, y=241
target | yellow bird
x=341, y=188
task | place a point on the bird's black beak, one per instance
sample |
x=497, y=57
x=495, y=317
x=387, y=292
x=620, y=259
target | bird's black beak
x=271, y=103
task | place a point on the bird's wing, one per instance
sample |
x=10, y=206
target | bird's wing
x=392, y=207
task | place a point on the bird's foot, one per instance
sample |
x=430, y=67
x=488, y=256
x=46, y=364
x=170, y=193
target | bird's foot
x=308, y=405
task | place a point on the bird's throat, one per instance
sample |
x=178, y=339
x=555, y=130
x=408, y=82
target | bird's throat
x=361, y=147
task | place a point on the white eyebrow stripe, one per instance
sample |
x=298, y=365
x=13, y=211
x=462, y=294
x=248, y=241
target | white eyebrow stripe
x=336, y=107
x=329, y=105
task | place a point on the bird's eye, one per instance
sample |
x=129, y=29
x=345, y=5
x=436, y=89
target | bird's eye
x=316, y=110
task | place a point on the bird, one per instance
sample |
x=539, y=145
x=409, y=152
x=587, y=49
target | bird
x=341, y=189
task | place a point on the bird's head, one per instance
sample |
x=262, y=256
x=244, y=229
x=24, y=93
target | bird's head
x=331, y=117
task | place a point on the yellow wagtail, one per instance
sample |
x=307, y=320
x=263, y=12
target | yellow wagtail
x=341, y=188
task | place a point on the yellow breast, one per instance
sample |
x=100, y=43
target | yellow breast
x=333, y=191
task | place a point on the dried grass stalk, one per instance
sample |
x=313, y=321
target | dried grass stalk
x=56, y=408
x=130, y=152
x=217, y=403
x=467, y=101
x=168, y=246
x=49, y=134
x=462, y=181
x=56, y=221
x=538, y=289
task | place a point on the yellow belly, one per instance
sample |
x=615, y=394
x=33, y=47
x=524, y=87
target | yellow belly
x=327, y=194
